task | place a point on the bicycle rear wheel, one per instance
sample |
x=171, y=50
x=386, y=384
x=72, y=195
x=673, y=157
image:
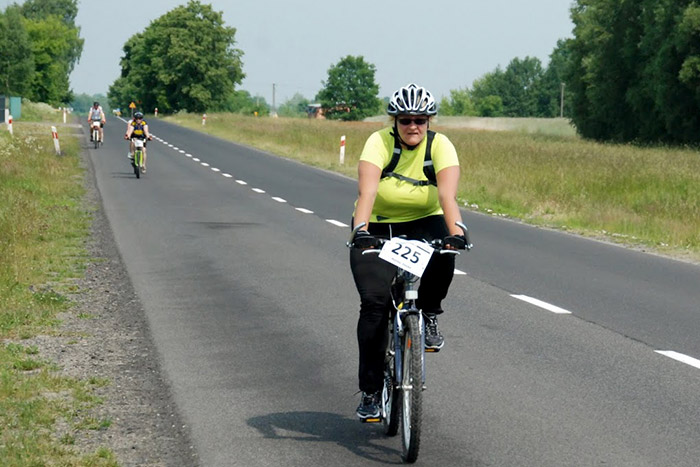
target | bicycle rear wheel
x=411, y=389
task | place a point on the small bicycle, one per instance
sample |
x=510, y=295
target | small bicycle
x=404, y=365
x=137, y=162
x=95, y=127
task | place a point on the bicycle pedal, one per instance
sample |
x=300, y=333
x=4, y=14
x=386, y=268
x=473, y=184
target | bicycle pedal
x=371, y=420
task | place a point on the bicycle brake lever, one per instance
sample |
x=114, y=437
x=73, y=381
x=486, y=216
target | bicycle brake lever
x=357, y=228
x=467, y=244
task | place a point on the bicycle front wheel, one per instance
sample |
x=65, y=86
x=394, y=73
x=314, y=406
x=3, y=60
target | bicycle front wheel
x=411, y=389
x=137, y=164
x=390, y=393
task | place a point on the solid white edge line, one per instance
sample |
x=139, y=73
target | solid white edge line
x=258, y=190
x=335, y=222
x=304, y=210
x=279, y=200
x=680, y=357
x=541, y=304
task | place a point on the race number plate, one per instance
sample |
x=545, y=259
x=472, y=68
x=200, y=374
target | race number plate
x=410, y=255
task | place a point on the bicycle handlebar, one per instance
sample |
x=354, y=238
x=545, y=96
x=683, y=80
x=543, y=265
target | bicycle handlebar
x=437, y=243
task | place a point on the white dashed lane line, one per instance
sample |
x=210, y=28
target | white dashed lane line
x=694, y=362
x=304, y=210
x=258, y=190
x=541, y=304
x=337, y=223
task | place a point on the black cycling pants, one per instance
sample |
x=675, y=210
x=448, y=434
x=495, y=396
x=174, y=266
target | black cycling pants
x=373, y=278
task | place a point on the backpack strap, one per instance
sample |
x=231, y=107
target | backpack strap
x=428, y=168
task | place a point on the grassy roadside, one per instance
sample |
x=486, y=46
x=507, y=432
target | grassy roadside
x=43, y=229
x=647, y=197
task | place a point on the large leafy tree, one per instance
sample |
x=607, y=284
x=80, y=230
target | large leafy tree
x=634, y=70
x=185, y=60
x=43, y=47
x=53, y=48
x=16, y=60
x=66, y=10
x=350, y=92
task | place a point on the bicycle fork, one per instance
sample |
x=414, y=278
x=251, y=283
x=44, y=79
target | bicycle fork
x=399, y=332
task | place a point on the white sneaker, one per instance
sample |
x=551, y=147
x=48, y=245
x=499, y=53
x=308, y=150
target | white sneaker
x=129, y=155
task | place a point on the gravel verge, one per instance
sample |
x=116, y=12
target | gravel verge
x=106, y=335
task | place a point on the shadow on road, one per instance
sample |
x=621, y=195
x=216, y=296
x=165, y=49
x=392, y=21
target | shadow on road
x=356, y=437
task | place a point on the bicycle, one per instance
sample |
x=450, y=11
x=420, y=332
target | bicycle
x=404, y=366
x=137, y=161
x=96, y=133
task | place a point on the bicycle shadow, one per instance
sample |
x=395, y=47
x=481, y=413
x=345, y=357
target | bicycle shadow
x=124, y=175
x=354, y=436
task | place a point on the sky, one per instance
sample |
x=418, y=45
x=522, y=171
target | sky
x=439, y=44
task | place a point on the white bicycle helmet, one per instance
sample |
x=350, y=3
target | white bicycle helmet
x=412, y=100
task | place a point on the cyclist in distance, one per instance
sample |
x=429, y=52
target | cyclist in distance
x=137, y=128
x=402, y=199
x=97, y=114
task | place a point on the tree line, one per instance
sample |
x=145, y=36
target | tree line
x=39, y=47
x=630, y=73
x=523, y=89
x=634, y=70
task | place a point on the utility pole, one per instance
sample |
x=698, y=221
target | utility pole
x=561, y=111
x=274, y=109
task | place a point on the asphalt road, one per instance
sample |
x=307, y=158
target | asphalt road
x=239, y=260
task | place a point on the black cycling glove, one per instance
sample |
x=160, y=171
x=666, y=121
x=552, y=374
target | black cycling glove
x=457, y=242
x=364, y=239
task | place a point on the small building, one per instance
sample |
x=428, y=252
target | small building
x=10, y=105
x=315, y=111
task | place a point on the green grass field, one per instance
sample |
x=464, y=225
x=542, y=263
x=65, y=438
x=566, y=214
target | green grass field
x=44, y=224
x=539, y=172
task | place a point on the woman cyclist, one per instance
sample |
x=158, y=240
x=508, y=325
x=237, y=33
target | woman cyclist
x=138, y=128
x=403, y=200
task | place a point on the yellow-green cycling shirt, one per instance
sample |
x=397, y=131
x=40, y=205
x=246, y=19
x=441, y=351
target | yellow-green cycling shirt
x=399, y=200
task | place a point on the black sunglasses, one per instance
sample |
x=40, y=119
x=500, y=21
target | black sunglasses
x=417, y=121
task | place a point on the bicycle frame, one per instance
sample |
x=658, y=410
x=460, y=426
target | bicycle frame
x=408, y=306
x=95, y=128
